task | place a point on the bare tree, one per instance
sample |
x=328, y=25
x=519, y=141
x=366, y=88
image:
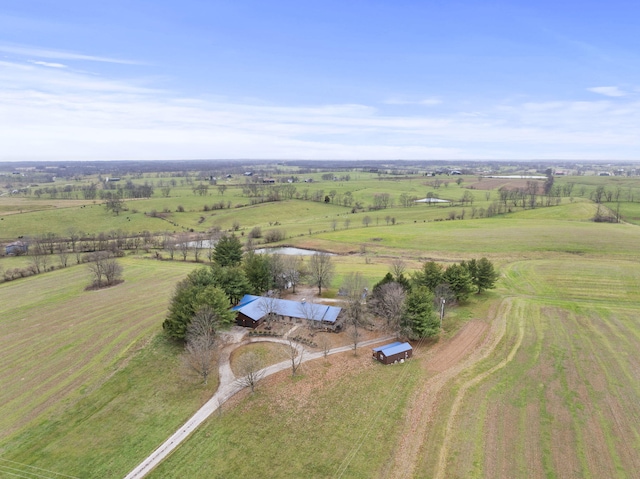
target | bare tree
x=63, y=254
x=388, y=303
x=38, y=253
x=276, y=270
x=325, y=344
x=268, y=306
x=310, y=312
x=250, y=369
x=355, y=334
x=321, y=270
x=104, y=267
x=114, y=202
x=183, y=246
x=48, y=241
x=202, y=337
x=112, y=271
x=295, y=355
x=398, y=267
x=170, y=245
x=74, y=239
x=196, y=246
x=204, y=325
x=199, y=358
x=355, y=288
x=293, y=270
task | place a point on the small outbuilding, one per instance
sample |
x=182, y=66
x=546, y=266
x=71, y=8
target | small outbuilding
x=393, y=352
x=16, y=248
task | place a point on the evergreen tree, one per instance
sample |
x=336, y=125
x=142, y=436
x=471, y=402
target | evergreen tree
x=258, y=272
x=188, y=299
x=233, y=281
x=459, y=280
x=388, y=278
x=419, y=319
x=430, y=276
x=228, y=251
x=486, y=276
x=404, y=282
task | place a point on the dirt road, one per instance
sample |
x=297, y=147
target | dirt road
x=449, y=359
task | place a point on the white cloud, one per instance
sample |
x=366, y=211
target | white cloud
x=48, y=64
x=59, y=54
x=607, y=91
x=22, y=76
x=403, y=101
x=54, y=113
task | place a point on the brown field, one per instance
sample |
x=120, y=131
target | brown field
x=497, y=183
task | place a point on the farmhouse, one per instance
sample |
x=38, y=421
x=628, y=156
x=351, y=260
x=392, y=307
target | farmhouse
x=252, y=310
x=393, y=352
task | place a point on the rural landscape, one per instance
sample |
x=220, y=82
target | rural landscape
x=125, y=290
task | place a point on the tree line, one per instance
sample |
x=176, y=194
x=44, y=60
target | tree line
x=409, y=306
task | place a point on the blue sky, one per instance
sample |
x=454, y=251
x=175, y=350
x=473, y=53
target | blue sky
x=319, y=79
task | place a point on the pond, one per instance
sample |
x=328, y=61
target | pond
x=432, y=200
x=289, y=251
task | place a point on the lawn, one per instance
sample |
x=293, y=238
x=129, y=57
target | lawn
x=336, y=420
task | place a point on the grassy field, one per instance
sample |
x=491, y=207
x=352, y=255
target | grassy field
x=558, y=397
x=336, y=420
x=60, y=341
x=564, y=406
x=79, y=362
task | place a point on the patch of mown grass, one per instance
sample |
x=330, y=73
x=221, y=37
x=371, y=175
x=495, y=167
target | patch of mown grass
x=345, y=428
x=107, y=432
x=268, y=353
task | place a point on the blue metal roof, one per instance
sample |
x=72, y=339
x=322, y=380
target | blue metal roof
x=255, y=307
x=390, y=345
x=400, y=348
x=246, y=299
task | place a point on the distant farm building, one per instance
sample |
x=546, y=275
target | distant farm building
x=393, y=352
x=16, y=248
x=252, y=310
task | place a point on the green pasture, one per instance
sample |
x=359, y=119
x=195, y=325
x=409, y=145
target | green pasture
x=59, y=341
x=32, y=216
x=92, y=218
x=565, y=406
x=108, y=430
x=494, y=236
x=629, y=212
